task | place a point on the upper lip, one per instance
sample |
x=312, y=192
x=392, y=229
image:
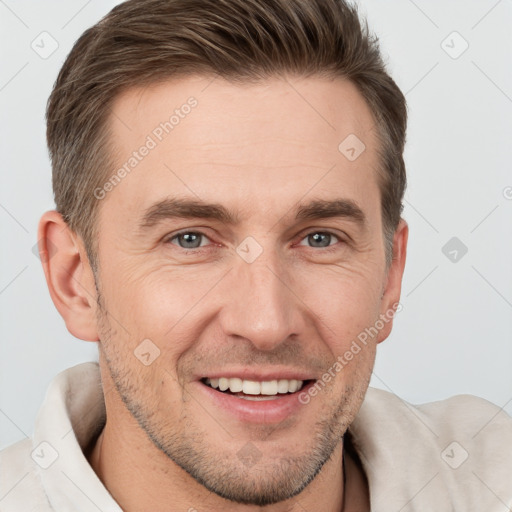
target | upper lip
x=260, y=374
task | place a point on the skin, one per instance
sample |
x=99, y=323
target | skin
x=258, y=150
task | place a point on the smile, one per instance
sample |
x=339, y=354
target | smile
x=266, y=401
x=255, y=390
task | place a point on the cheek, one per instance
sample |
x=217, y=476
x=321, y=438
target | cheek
x=346, y=301
x=165, y=303
x=152, y=295
x=165, y=306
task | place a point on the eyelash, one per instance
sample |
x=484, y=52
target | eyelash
x=201, y=249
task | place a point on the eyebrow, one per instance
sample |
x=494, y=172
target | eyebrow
x=186, y=209
x=170, y=208
x=324, y=209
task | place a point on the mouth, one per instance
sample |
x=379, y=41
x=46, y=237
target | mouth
x=256, y=390
x=267, y=396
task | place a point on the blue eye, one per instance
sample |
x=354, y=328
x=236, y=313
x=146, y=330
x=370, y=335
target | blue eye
x=196, y=240
x=188, y=239
x=320, y=239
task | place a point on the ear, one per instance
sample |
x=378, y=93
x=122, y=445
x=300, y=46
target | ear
x=393, y=285
x=68, y=275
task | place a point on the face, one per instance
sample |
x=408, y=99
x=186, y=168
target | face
x=242, y=250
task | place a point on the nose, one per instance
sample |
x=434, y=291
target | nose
x=261, y=304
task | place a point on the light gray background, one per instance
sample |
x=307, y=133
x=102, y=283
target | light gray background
x=454, y=334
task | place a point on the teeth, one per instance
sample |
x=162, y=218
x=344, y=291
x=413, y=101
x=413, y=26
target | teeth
x=293, y=386
x=282, y=386
x=223, y=384
x=251, y=387
x=269, y=387
x=258, y=398
x=235, y=385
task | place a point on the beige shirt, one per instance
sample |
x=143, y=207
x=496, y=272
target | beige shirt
x=452, y=455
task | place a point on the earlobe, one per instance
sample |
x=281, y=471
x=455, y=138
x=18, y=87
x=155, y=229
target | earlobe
x=392, y=290
x=68, y=275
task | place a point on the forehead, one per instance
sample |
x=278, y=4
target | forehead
x=273, y=142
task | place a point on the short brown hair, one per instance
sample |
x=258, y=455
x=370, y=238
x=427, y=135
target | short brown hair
x=141, y=42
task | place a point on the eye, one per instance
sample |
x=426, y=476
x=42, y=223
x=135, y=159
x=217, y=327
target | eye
x=188, y=239
x=319, y=239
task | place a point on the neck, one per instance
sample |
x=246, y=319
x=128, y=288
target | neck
x=143, y=479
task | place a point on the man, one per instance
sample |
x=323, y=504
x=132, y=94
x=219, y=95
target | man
x=229, y=178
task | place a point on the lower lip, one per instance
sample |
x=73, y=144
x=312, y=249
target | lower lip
x=261, y=411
